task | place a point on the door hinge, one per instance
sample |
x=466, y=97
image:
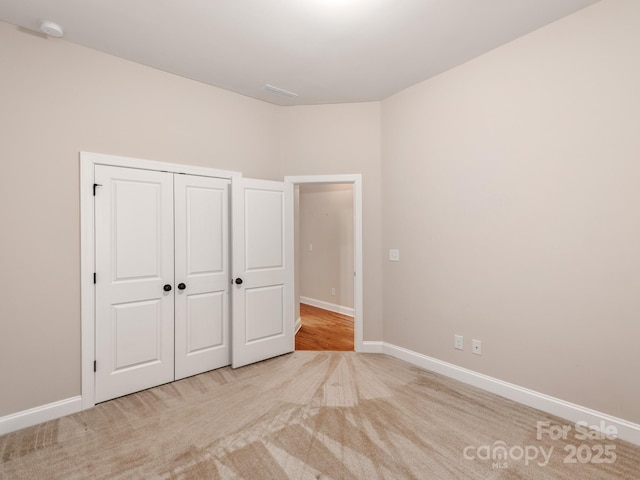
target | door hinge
x=94, y=188
x=94, y=278
x=95, y=365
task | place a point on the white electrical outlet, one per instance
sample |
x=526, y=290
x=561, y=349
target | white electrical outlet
x=476, y=347
x=458, y=342
x=333, y=291
x=311, y=247
x=394, y=255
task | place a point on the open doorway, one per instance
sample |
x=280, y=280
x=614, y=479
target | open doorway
x=325, y=266
x=349, y=286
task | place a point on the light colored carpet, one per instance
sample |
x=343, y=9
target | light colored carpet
x=308, y=415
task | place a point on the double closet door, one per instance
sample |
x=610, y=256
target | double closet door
x=162, y=286
x=192, y=273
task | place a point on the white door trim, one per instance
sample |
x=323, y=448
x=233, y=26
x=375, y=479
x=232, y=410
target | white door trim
x=356, y=181
x=88, y=161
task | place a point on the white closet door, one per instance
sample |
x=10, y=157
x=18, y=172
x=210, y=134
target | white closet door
x=262, y=226
x=201, y=274
x=134, y=265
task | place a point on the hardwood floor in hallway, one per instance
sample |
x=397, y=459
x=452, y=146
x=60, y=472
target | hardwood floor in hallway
x=324, y=330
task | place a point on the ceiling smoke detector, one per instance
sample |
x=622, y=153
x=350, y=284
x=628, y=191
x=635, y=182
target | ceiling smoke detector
x=278, y=91
x=52, y=29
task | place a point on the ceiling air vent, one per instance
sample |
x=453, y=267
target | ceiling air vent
x=278, y=91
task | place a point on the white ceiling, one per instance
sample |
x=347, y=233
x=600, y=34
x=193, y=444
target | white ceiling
x=327, y=51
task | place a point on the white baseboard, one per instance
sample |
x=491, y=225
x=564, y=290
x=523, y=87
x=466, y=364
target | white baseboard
x=43, y=413
x=576, y=413
x=297, y=326
x=332, y=307
x=371, y=347
x=626, y=430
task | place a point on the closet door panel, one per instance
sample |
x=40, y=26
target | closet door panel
x=262, y=225
x=202, y=274
x=134, y=262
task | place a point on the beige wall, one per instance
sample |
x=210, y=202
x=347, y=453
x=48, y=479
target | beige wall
x=57, y=99
x=512, y=189
x=343, y=139
x=326, y=223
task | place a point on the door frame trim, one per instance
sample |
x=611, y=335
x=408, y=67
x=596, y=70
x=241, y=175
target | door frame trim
x=356, y=181
x=88, y=161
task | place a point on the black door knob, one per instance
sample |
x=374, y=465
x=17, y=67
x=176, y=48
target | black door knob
x=238, y=281
x=181, y=286
x=167, y=288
